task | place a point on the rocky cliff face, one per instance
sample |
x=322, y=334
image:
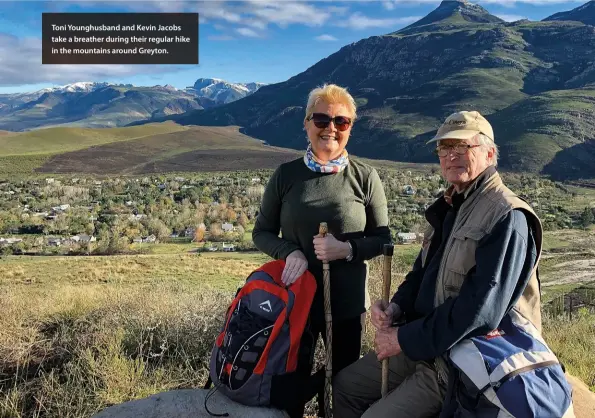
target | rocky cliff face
x=453, y=12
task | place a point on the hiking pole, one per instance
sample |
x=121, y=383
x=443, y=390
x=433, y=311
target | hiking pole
x=323, y=230
x=387, y=252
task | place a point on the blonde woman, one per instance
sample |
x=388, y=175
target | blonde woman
x=326, y=185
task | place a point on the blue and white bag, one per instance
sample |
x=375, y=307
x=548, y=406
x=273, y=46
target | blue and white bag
x=510, y=372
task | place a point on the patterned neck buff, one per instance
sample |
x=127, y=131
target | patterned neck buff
x=333, y=166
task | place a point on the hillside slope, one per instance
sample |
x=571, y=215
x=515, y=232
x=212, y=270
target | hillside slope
x=195, y=149
x=407, y=82
x=153, y=148
x=584, y=13
x=60, y=140
x=553, y=133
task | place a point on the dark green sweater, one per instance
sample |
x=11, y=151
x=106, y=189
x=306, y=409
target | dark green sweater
x=353, y=204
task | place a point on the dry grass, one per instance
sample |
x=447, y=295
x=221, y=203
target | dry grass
x=71, y=350
x=574, y=343
x=58, y=140
x=128, y=270
x=78, y=334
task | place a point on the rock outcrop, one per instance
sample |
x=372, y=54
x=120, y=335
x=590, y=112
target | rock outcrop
x=583, y=399
x=186, y=403
x=189, y=403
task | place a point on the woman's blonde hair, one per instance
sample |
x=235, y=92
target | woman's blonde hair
x=332, y=94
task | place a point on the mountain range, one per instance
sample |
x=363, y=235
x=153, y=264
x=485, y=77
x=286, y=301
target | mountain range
x=101, y=104
x=534, y=81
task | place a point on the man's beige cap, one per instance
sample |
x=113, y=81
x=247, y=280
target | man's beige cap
x=463, y=125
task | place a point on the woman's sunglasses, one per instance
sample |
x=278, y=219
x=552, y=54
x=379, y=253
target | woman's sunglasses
x=322, y=121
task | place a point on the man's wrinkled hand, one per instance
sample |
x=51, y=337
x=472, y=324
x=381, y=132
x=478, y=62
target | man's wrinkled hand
x=386, y=343
x=295, y=265
x=329, y=248
x=382, y=316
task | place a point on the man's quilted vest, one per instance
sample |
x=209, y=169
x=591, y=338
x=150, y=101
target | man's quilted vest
x=476, y=218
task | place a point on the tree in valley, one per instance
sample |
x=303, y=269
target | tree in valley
x=587, y=217
x=231, y=215
x=199, y=233
x=158, y=228
x=243, y=220
x=216, y=231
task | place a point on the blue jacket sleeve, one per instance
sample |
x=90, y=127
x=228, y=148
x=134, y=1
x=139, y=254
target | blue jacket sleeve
x=504, y=261
x=406, y=294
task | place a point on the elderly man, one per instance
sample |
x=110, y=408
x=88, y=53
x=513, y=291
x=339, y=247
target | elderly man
x=478, y=261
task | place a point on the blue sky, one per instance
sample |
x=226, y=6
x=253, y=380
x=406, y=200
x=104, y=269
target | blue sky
x=259, y=40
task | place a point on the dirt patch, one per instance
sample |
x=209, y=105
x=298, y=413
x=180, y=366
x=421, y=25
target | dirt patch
x=583, y=399
x=568, y=272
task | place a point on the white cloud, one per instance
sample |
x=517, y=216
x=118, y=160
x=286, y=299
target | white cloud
x=258, y=14
x=136, y=5
x=20, y=63
x=325, y=38
x=247, y=32
x=510, y=18
x=250, y=14
x=284, y=13
x=359, y=21
x=255, y=23
x=221, y=13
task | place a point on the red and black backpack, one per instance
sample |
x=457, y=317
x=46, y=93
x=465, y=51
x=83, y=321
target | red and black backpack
x=257, y=351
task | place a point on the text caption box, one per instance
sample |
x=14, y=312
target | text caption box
x=119, y=38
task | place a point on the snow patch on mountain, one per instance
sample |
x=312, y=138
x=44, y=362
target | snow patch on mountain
x=78, y=87
x=222, y=91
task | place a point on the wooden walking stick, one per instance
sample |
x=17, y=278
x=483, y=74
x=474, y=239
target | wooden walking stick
x=323, y=230
x=387, y=251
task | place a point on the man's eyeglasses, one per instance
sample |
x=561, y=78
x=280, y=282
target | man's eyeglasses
x=322, y=121
x=460, y=149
